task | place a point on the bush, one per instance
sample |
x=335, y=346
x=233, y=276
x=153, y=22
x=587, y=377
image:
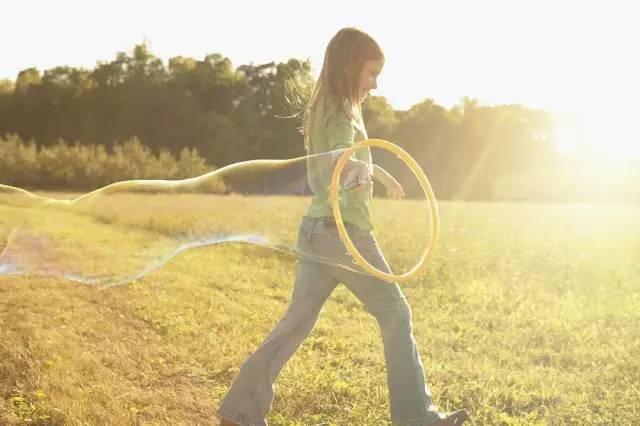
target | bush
x=63, y=166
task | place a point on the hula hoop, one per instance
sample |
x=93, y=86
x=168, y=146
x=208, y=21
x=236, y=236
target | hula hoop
x=334, y=192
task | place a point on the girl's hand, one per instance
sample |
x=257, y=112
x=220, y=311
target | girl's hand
x=356, y=174
x=394, y=189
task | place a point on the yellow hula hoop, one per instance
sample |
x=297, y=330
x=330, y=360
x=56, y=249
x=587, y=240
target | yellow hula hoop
x=334, y=188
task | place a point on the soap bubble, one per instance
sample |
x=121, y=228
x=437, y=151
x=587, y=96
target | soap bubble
x=123, y=231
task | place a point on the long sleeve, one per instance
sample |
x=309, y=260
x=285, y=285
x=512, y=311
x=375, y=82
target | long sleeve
x=340, y=132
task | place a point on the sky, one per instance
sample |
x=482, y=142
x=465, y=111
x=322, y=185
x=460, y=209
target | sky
x=576, y=59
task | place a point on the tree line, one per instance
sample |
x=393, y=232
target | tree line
x=206, y=113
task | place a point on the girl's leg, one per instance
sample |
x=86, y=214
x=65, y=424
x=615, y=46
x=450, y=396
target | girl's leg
x=410, y=397
x=252, y=393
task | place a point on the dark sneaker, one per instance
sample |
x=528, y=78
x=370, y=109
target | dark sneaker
x=452, y=419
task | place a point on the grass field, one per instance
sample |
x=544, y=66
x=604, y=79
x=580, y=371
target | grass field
x=529, y=315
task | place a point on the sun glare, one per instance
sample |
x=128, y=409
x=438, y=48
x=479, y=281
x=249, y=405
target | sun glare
x=605, y=135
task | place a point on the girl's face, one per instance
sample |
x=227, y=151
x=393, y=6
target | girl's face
x=369, y=77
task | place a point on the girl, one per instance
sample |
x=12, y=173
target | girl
x=333, y=120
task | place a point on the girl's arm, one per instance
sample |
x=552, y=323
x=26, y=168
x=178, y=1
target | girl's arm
x=381, y=175
x=393, y=187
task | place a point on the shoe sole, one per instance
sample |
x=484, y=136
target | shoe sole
x=456, y=418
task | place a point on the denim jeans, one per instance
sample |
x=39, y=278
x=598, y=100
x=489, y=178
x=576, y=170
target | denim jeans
x=251, y=395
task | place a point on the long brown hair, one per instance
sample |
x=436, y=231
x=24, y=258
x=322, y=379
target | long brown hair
x=338, y=81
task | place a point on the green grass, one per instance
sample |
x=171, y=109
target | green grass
x=529, y=314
